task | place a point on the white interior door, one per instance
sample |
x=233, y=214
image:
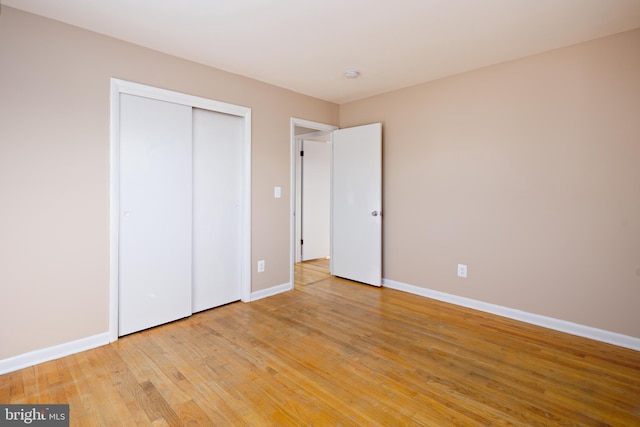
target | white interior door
x=356, y=212
x=217, y=216
x=316, y=198
x=155, y=213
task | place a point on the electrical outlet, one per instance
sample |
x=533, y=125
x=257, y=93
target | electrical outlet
x=260, y=266
x=462, y=270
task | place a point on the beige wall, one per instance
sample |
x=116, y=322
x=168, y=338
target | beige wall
x=529, y=173
x=526, y=171
x=54, y=171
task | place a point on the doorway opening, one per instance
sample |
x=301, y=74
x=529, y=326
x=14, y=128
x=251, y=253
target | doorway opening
x=355, y=219
x=310, y=200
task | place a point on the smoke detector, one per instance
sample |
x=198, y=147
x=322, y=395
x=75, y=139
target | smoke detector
x=351, y=74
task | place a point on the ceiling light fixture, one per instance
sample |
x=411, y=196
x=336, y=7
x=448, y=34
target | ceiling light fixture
x=351, y=74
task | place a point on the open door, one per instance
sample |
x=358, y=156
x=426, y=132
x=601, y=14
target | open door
x=356, y=210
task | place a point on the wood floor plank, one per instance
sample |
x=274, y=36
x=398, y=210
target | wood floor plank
x=333, y=352
x=390, y=353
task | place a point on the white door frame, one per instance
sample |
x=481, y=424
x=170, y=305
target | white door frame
x=122, y=86
x=316, y=127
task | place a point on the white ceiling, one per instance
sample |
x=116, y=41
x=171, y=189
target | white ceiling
x=306, y=45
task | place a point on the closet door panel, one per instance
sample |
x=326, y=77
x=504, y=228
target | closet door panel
x=217, y=233
x=155, y=212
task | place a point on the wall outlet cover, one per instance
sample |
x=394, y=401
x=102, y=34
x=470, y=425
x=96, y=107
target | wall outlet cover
x=462, y=270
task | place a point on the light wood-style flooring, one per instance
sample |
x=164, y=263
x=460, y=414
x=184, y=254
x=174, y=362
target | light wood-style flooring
x=333, y=352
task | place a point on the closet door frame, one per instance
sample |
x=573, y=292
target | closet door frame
x=125, y=87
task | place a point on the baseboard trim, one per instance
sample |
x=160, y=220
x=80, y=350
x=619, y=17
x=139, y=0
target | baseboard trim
x=51, y=353
x=55, y=352
x=523, y=316
x=274, y=290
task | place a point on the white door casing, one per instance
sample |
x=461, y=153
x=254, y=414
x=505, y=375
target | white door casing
x=356, y=212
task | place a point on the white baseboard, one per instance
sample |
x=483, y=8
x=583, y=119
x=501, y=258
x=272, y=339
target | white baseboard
x=55, y=352
x=523, y=316
x=50, y=353
x=274, y=290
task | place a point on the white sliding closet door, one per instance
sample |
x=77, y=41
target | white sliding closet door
x=155, y=212
x=217, y=193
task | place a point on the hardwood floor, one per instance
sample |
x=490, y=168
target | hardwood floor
x=333, y=352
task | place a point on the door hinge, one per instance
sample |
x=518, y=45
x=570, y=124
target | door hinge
x=301, y=242
x=301, y=153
